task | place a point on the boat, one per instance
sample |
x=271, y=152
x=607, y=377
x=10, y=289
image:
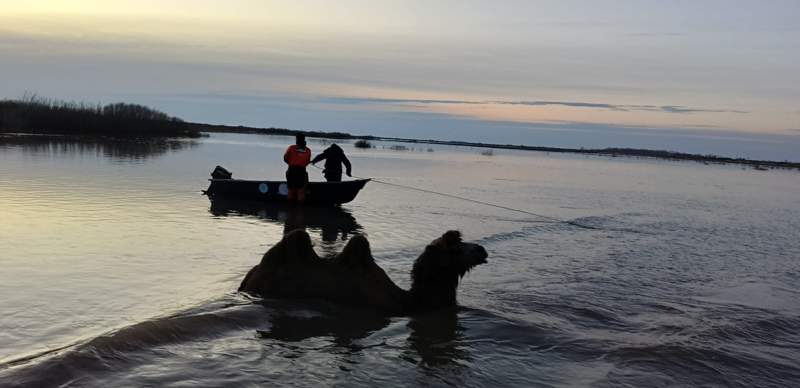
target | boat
x=318, y=193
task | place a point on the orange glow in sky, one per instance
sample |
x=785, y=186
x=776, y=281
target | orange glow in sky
x=366, y=56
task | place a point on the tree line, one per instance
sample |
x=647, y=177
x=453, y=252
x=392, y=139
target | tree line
x=33, y=114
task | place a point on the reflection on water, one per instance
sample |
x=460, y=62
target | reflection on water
x=435, y=337
x=344, y=325
x=302, y=333
x=113, y=148
x=333, y=223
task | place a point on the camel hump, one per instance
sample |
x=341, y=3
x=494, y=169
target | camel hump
x=295, y=245
x=356, y=253
x=251, y=274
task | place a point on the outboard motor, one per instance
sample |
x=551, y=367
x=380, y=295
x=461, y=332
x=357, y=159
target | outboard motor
x=221, y=173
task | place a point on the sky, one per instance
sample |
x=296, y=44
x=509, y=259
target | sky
x=703, y=76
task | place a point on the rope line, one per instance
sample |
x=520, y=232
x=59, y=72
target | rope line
x=553, y=219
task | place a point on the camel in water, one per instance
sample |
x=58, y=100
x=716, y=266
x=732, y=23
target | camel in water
x=291, y=269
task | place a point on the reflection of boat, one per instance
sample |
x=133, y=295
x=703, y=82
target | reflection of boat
x=328, y=193
x=332, y=221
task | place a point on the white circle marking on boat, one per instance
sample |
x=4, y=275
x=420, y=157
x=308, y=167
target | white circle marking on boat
x=263, y=188
x=283, y=189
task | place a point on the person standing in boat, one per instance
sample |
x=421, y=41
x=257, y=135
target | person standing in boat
x=334, y=158
x=297, y=156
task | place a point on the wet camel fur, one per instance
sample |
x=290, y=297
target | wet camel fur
x=292, y=269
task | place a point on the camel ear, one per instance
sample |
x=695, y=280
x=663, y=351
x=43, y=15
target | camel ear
x=356, y=253
x=451, y=238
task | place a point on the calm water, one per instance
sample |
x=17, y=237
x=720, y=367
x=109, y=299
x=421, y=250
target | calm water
x=117, y=272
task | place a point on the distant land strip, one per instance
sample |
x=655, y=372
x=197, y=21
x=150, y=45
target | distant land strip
x=613, y=152
x=37, y=115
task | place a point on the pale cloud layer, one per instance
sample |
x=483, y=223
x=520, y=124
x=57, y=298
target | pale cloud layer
x=573, y=104
x=709, y=65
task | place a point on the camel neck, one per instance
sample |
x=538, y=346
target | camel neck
x=433, y=296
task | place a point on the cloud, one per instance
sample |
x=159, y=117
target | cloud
x=653, y=34
x=683, y=109
x=563, y=103
x=676, y=109
x=367, y=100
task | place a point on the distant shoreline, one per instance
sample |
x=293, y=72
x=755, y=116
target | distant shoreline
x=38, y=115
x=613, y=152
x=35, y=115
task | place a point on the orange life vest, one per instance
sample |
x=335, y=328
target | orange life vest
x=297, y=157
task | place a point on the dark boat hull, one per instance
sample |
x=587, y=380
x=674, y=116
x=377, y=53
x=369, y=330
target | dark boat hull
x=326, y=193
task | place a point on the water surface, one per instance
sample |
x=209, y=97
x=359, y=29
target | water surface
x=116, y=271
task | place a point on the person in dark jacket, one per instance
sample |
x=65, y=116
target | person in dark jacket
x=334, y=158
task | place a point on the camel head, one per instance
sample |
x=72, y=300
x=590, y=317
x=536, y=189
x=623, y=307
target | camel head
x=435, y=276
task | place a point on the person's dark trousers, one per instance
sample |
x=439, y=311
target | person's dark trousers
x=333, y=176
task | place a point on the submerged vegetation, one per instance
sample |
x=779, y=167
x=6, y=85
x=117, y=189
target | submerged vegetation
x=362, y=143
x=33, y=114
x=613, y=152
x=273, y=131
